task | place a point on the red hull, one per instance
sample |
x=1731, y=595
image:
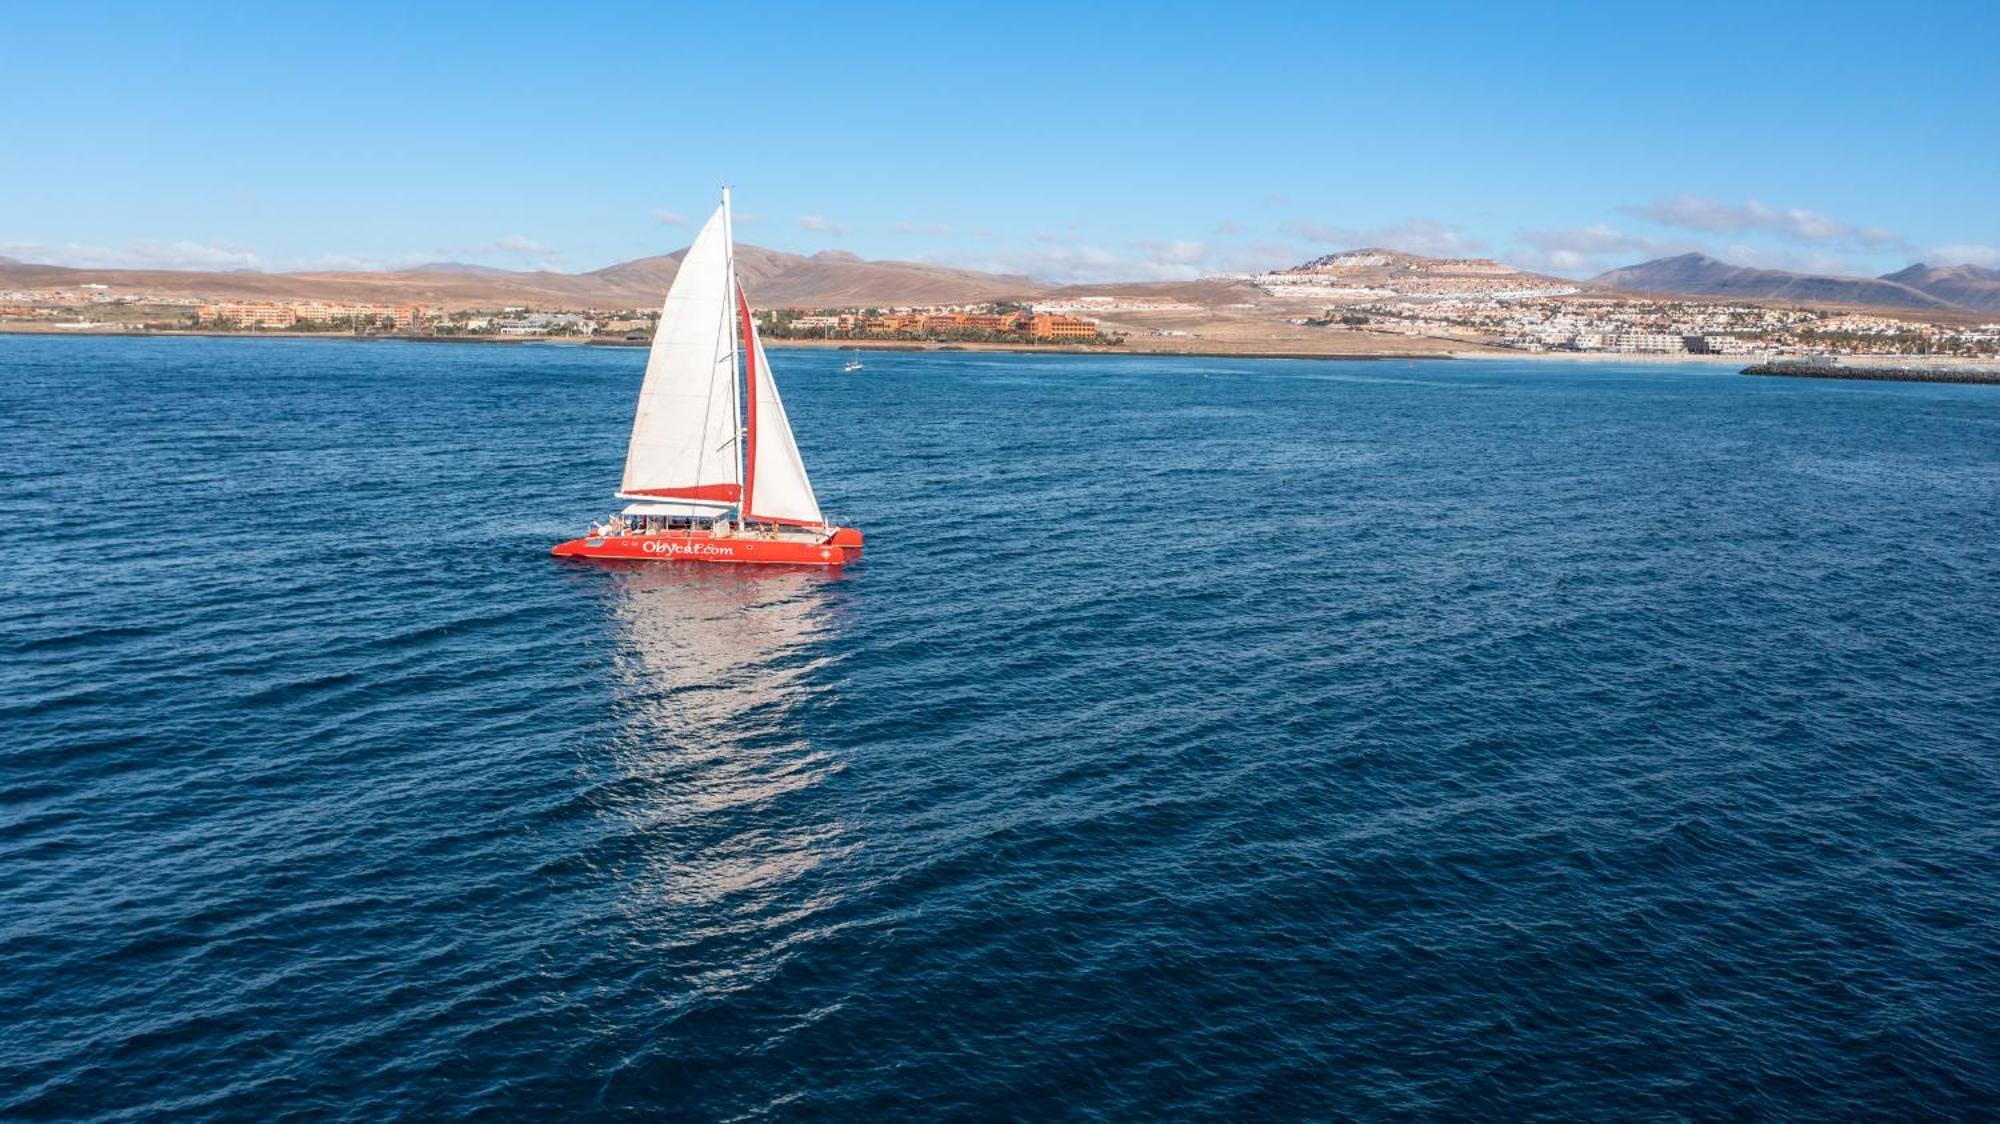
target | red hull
x=702, y=547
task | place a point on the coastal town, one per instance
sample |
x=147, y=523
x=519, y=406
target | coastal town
x=94, y=307
x=1355, y=302
x=979, y=323
x=1483, y=303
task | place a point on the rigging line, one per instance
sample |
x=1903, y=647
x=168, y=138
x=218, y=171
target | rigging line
x=707, y=412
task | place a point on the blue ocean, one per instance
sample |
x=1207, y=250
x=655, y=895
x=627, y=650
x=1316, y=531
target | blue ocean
x=1197, y=738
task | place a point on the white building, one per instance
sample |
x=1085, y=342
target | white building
x=1647, y=342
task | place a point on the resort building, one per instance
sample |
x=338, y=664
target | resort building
x=1647, y=342
x=946, y=323
x=247, y=314
x=274, y=314
x=1049, y=326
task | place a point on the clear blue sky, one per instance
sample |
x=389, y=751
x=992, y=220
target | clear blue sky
x=1069, y=142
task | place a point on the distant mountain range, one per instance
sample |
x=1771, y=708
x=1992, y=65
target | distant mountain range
x=772, y=278
x=1957, y=288
x=834, y=278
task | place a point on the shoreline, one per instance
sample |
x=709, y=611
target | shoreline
x=908, y=346
x=1944, y=364
x=1068, y=349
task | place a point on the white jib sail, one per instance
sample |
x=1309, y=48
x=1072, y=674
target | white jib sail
x=780, y=489
x=684, y=433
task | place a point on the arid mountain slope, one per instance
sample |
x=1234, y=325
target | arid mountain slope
x=1968, y=286
x=771, y=277
x=1701, y=275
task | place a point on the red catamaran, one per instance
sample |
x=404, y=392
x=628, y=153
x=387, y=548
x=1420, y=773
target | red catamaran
x=712, y=473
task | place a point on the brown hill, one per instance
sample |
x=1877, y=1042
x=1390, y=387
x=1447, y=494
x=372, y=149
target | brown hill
x=830, y=279
x=1968, y=286
x=1701, y=275
x=773, y=279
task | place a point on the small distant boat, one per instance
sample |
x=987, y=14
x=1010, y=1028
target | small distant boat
x=851, y=366
x=712, y=472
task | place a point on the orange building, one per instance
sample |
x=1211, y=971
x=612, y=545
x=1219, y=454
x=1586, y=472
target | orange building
x=271, y=314
x=988, y=323
x=1049, y=326
x=896, y=324
x=248, y=314
x=1044, y=326
x=403, y=316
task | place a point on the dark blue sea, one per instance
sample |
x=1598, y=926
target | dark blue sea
x=1196, y=738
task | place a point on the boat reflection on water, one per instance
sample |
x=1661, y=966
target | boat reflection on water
x=719, y=813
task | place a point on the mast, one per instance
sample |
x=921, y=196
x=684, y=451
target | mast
x=750, y=353
x=731, y=289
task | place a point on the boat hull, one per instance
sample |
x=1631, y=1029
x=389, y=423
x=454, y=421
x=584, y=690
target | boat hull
x=728, y=549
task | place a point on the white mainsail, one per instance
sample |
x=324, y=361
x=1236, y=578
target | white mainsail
x=778, y=490
x=684, y=433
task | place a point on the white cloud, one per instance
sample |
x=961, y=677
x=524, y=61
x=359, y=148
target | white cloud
x=1084, y=264
x=1257, y=257
x=818, y=224
x=1586, y=250
x=1793, y=224
x=1420, y=236
x=1064, y=265
x=1417, y=236
x=1964, y=254
x=1596, y=238
x=523, y=247
x=1176, y=252
x=142, y=254
x=1559, y=261
x=1176, y=259
x=1313, y=230
x=346, y=263
x=669, y=218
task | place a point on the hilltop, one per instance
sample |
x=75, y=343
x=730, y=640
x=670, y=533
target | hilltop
x=1374, y=259
x=1701, y=275
x=1968, y=286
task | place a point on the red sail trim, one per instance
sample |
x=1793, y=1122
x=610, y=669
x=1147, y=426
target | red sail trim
x=728, y=492
x=782, y=522
x=750, y=400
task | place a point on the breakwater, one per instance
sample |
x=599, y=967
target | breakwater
x=1878, y=373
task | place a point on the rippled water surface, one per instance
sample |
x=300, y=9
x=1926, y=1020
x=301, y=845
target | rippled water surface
x=1196, y=737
